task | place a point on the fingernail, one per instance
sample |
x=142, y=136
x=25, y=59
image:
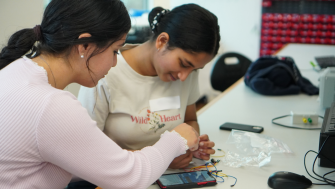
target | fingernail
x=201, y=150
x=201, y=143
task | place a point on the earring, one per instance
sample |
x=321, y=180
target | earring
x=82, y=56
x=157, y=50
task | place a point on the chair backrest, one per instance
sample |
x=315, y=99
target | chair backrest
x=224, y=75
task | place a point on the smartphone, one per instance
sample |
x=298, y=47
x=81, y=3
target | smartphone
x=183, y=180
x=251, y=128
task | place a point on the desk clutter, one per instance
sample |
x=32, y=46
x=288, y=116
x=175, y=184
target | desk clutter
x=195, y=176
x=248, y=149
x=251, y=149
x=296, y=21
x=284, y=169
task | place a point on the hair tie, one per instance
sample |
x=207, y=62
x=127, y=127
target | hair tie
x=157, y=18
x=38, y=33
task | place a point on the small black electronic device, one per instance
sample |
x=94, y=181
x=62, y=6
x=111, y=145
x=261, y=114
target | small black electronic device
x=284, y=180
x=327, y=154
x=251, y=128
x=325, y=61
x=183, y=180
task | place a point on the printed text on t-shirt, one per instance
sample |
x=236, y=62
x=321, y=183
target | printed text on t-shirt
x=164, y=118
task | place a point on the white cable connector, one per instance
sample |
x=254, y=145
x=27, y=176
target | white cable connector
x=305, y=118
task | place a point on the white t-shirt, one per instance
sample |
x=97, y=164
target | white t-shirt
x=120, y=104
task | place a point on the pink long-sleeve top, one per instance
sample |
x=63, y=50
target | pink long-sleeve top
x=46, y=136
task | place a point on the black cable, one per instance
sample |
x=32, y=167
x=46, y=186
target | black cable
x=327, y=174
x=328, y=181
x=292, y=126
x=307, y=170
x=325, y=179
x=311, y=175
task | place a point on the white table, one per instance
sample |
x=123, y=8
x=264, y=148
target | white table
x=240, y=104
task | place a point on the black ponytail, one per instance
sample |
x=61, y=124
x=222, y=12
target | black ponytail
x=18, y=44
x=190, y=27
x=63, y=22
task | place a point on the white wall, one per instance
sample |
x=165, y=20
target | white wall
x=161, y=3
x=19, y=14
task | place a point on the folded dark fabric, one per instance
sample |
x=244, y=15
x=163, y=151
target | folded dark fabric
x=273, y=75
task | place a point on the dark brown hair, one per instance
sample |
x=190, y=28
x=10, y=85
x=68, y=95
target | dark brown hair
x=190, y=27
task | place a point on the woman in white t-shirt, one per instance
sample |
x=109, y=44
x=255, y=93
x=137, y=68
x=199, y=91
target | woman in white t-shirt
x=45, y=133
x=154, y=87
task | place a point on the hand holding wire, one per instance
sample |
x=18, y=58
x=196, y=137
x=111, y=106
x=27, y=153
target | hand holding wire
x=181, y=161
x=205, y=148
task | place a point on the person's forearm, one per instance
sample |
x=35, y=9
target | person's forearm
x=194, y=124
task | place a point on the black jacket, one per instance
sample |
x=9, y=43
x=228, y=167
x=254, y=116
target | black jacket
x=277, y=76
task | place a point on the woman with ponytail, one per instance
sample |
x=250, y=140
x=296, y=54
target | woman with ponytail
x=154, y=87
x=45, y=133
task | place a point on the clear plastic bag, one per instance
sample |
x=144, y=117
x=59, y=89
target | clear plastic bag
x=251, y=149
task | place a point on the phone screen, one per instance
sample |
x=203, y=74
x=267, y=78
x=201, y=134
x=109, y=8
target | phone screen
x=185, y=178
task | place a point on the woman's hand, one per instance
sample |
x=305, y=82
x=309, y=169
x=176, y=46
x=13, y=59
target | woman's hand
x=182, y=161
x=190, y=134
x=205, y=148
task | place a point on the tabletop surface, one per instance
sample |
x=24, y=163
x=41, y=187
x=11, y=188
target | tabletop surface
x=242, y=105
